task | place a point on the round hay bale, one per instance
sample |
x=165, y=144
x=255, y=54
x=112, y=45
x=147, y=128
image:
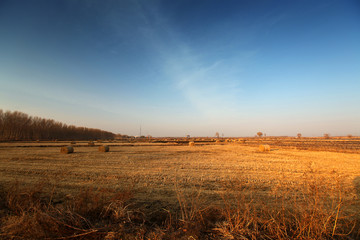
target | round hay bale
x=91, y=143
x=191, y=144
x=67, y=149
x=104, y=148
x=264, y=148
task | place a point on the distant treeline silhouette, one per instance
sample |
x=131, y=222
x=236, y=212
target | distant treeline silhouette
x=20, y=126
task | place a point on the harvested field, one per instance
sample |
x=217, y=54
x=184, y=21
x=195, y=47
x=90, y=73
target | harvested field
x=338, y=144
x=161, y=177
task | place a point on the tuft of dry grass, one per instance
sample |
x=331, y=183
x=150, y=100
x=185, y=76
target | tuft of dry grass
x=317, y=211
x=32, y=214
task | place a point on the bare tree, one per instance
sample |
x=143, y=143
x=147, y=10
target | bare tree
x=259, y=134
x=299, y=135
x=217, y=135
x=326, y=135
x=19, y=126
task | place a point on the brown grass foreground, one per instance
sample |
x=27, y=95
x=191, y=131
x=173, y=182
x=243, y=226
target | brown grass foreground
x=177, y=192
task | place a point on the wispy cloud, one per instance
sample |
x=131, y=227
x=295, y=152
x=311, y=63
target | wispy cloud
x=206, y=87
x=210, y=86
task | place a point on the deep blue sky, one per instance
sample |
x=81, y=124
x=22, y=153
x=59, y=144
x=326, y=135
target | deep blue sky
x=185, y=67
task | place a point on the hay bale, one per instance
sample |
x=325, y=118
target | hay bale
x=218, y=141
x=104, y=148
x=264, y=148
x=67, y=149
x=91, y=143
x=191, y=144
x=72, y=142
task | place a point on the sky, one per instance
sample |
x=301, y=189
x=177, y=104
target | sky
x=184, y=67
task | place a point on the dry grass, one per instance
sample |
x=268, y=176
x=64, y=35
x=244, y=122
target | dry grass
x=176, y=192
x=32, y=213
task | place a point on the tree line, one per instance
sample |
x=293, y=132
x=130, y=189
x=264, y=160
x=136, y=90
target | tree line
x=15, y=126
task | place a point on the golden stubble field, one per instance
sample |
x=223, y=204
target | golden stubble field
x=158, y=168
x=163, y=177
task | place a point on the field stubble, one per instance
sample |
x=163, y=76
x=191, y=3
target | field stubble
x=231, y=191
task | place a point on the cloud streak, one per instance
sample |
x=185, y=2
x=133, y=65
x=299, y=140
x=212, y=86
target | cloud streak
x=209, y=87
